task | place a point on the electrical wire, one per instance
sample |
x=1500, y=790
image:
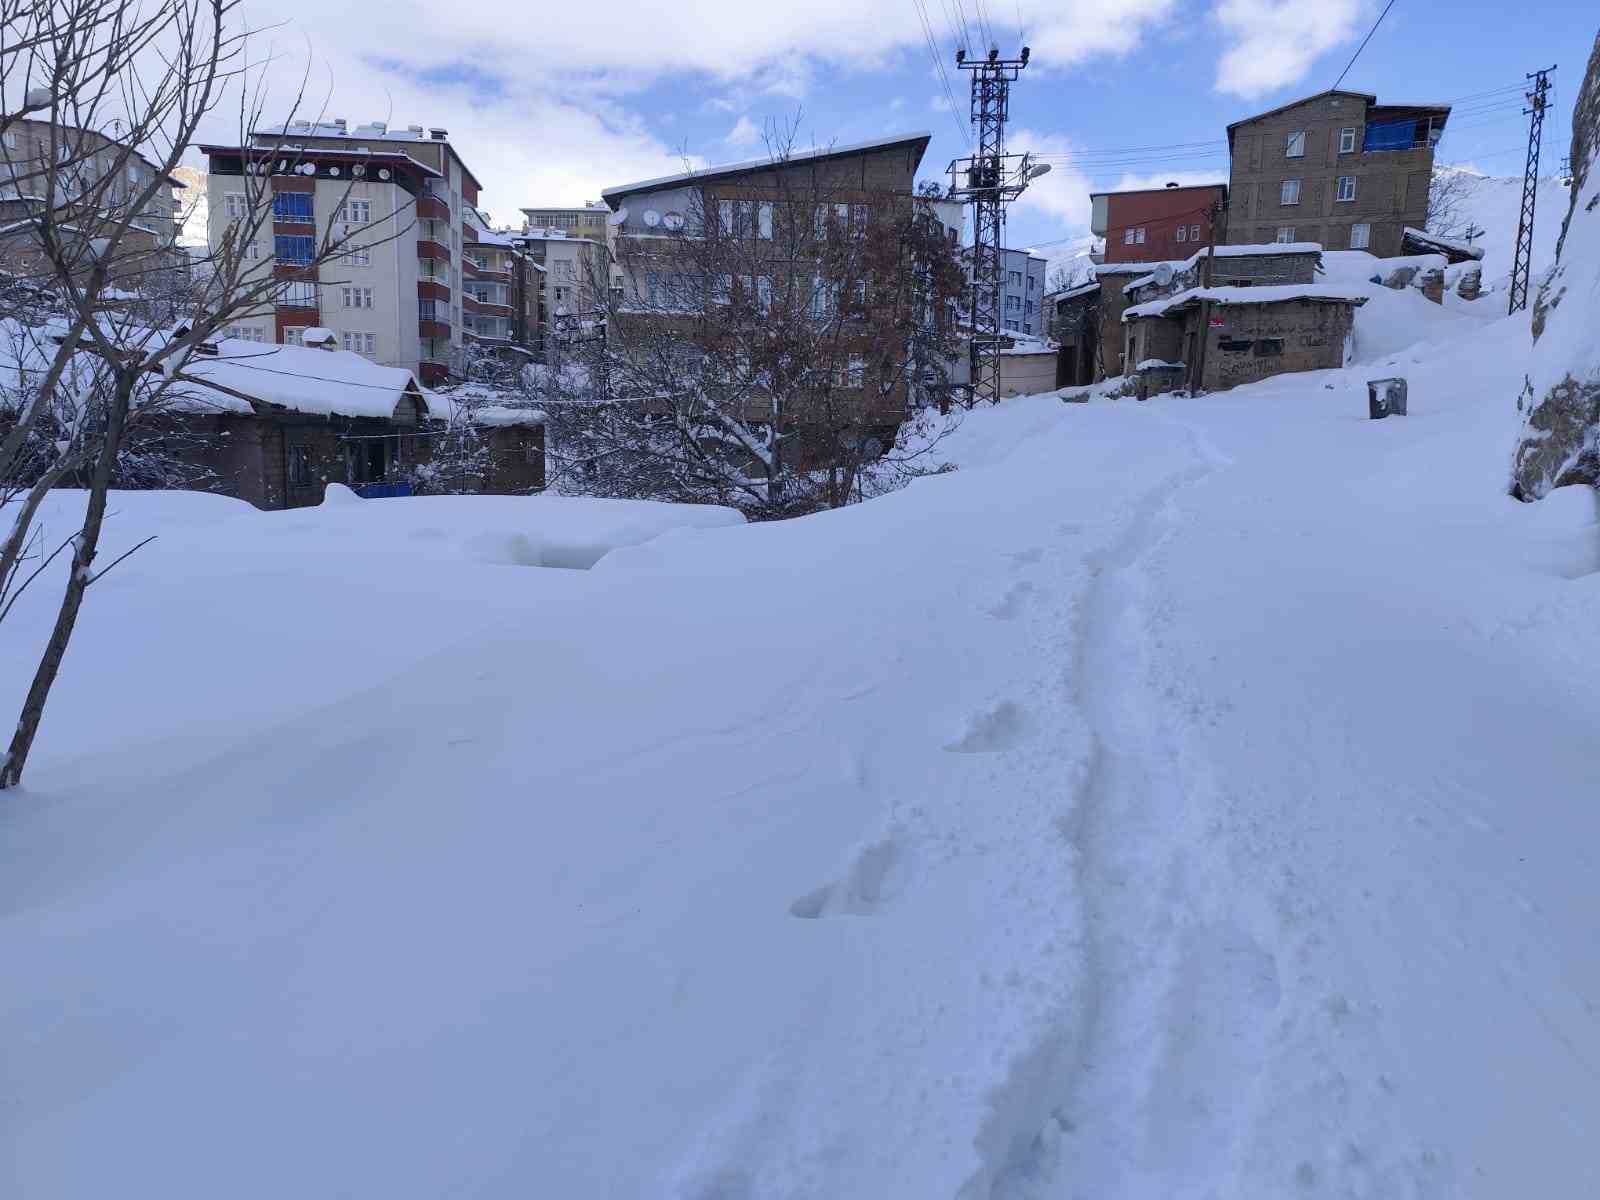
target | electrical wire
x=1364, y=42
x=938, y=66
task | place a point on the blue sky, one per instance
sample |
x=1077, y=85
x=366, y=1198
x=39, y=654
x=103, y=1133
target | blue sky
x=553, y=114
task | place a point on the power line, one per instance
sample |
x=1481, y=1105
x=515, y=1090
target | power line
x=1364, y=42
x=938, y=66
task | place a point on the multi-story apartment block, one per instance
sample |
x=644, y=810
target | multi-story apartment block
x=83, y=164
x=1157, y=224
x=576, y=272
x=1022, y=278
x=770, y=224
x=1336, y=168
x=502, y=288
x=587, y=221
x=398, y=299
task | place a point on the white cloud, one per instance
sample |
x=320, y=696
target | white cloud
x=745, y=132
x=561, y=133
x=1062, y=194
x=1273, y=43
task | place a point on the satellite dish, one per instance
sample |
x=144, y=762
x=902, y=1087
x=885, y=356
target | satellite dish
x=1163, y=274
x=652, y=218
x=618, y=217
x=383, y=172
x=334, y=171
x=308, y=169
x=673, y=221
x=358, y=170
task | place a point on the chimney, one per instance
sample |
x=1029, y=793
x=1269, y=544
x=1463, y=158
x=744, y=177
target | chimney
x=413, y=128
x=340, y=124
x=380, y=126
x=439, y=135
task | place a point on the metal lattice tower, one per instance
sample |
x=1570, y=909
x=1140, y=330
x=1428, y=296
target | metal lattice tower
x=988, y=179
x=1538, y=101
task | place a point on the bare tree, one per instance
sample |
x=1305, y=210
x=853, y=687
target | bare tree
x=761, y=351
x=102, y=97
x=1449, y=194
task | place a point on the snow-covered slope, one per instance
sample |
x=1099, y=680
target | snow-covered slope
x=1181, y=799
x=1494, y=203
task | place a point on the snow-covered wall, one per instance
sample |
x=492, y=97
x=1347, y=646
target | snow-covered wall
x=1560, y=441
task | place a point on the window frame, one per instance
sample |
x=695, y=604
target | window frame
x=1287, y=188
x=1339, y=196
x=1290, y=143
x=1348, y=132
x=1366, y=235
x=1284, y=236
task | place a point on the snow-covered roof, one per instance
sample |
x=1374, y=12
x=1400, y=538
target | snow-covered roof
x=1131, y=268
x=1083, y=289
x=759, y=164
x=1275, y=294
x=315, y=152
x=495, y=237
x=1254, y=249
x=1449, y=246
x=377, y=131
x=1158, y=364
x=300, y=379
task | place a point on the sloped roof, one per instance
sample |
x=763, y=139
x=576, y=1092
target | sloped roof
x=920, y=138
x=299, y=379
x=1227, y=296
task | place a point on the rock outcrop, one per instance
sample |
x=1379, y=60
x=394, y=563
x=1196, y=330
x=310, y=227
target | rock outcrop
x=1560, y=441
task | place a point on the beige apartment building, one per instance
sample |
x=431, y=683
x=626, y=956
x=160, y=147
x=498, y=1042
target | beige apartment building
x=80, y=160
x=402, y=196
x=575, y=272
x=1337, y=168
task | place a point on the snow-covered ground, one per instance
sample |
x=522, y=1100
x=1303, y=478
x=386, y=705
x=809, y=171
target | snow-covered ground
x=1192, y=798
x=1494, y=203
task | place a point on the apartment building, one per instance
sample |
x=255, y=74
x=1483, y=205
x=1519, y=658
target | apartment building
x=766, y=213
x=1157, y=224
x=1336, y=168
x=401, y=195
x=502, y=287
x=585, y=221
x=575, y=272
x=83, y=163
x=1022, y=279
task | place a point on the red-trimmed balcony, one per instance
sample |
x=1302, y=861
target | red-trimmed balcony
x=428, y=248
x=433, y=329
x=433, y=289
x=431, y=208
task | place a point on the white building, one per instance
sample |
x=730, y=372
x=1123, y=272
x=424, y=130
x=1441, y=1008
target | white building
x=401, y=195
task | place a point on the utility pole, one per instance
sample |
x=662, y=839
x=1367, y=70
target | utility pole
x=1199, y=365
x=1538, y=101
x=1472, y=232
x=988, y=180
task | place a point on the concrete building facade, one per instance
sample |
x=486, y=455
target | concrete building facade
x=397, y=297
x=1336, y=168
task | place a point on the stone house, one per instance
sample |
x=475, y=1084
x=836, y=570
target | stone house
x=1336, y=168
x=1222, y=337
x=275, y=425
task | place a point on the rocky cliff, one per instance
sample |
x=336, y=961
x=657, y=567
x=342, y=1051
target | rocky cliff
x=1560, y=440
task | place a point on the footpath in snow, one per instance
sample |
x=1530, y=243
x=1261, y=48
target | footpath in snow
x=1181, y=799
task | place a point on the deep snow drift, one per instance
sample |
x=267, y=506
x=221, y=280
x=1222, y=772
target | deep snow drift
x=1180, y=799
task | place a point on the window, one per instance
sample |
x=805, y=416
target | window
x=1014, y=278
x=294, y=207
x=1296, y=146
x=1138, y=236
x=11, y=139
x=1268, y=347
x=1285, y=233
x=1013, y=327
x=859, y=214
x=1029, y=308
x=359, y=256
x=1194, y=233
x=252, y=251
x=1347, y=187
x=361, y=343
x=237, y=209
x=1127, y=237
x=764, y=220
x=722, y=289
x=292, y=249
x=1032, y=283
x=356, y=212
x=299, y=467
x=1013, y=303
x=357, y=297
x=1360, y=236
x=1183, y=233
x=856, y=372
x=1289, y=192
x=298, y=295
x=427, y=310
x=561, y=294
x=293, y=334
x=246, y=333
x=1347, y=141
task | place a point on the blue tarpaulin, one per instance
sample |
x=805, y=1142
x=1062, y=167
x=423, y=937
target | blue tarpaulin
x=1392, y=135
x=381, y=491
